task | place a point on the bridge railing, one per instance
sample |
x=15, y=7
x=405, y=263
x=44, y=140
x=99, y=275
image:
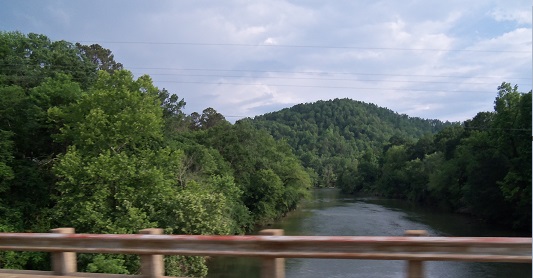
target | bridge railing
x=270, y=245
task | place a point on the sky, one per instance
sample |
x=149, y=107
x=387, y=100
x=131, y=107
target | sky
x=424, y=58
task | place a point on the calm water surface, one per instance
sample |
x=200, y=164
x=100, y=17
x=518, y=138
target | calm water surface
x=330, y=213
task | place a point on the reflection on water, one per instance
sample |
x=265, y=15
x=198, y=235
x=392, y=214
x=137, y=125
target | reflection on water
x=330, y=213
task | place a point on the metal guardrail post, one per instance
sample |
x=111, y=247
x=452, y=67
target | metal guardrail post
x=272, y=267
x=63, y=263
x=415, y=269
x=152, y=266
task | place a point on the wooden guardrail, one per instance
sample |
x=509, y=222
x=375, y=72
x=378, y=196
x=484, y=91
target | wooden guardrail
x=270, y=245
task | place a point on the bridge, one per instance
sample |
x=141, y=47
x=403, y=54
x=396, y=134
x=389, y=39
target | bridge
x=270, y=245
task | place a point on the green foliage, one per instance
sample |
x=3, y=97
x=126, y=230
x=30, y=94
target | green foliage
x=105, y=263
x=29, y=149
x=329, y=135
x=100, y=57
x=23, y=260
x=178, y=266
x=394, y=181
x=482, y=168
x=199, y=212
x=117, y=113
x=270, y=177
x=36, y=74
x=173, y=117
x=111, y=177
x=26, y=60
x=120, y=174
x=113, y=193
x=239, y=215
x=512, y=122
x=6, y=172
x=209, y=118
x=266, y=191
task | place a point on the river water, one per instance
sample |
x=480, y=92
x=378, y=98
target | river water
x=331, y=213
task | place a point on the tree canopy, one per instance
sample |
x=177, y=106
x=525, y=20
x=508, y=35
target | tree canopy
x=330, y=136
x=85, y=144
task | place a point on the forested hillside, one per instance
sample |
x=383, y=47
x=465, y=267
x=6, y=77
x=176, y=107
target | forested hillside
x=481, y=167
x=85, y=144
x=333, y=136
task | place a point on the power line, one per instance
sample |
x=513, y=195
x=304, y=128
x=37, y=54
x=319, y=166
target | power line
x=324, y=73
x=315, y=86
x=314, y=73
x=304, y=46
x=233, y=116
x=21, y=78
x=314, y=78
x=277, y=71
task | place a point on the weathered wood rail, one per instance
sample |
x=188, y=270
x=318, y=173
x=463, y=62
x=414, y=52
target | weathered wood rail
x=270, y=245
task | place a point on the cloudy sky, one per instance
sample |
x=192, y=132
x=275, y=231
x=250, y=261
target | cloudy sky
x=425, y=58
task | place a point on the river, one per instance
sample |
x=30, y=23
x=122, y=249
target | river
x=330, y=213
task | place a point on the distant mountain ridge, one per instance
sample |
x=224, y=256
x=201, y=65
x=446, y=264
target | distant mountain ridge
x=328, y=135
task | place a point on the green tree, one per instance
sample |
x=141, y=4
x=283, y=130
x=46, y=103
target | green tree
x=265, y=193
x=262, y=167
x=118, y=113
x=512, y=123
x=100, y=56
x=109, y=178
x=6, y=175
x=210, y=118
x=394, y=181
x=36, y=74
x=172, y=112
x=118, y=177
x=483, y=167
x=28, y=59
x=23, y=115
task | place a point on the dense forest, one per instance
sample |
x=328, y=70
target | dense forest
x=85, y=144
x=481, y=167
x=332, y=136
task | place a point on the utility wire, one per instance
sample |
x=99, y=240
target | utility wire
x=303, y=46
x=314, y=73
x=323, y=72
x=315, y=78
x=315, y=86
x=259, y=83
x=11, y=65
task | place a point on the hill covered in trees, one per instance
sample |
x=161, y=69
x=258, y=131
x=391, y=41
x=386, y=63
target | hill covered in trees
x=331, y=136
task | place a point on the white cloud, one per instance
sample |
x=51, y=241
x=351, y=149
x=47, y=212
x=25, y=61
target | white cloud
x=368, y=49
x=247, y=100
x=520, y=16
x=270, y=41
